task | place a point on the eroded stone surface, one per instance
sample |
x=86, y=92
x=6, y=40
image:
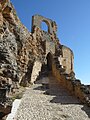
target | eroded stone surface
x=55, y=103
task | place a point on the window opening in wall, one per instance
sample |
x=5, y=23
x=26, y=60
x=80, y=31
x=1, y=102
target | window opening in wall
x=44, y=26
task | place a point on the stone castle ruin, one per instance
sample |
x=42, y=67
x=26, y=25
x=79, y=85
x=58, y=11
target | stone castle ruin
x=25, y=57
x=51, y=47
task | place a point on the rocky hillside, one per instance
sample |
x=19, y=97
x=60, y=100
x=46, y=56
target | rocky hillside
x=18, y=51
x=18, y=48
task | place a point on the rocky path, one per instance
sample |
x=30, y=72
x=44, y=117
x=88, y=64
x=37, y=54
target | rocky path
x=39, y=103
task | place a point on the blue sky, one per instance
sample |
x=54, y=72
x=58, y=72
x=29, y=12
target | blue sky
x=73, y=20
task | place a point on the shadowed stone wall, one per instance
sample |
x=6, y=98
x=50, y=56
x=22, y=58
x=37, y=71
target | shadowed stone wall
x=73, y=85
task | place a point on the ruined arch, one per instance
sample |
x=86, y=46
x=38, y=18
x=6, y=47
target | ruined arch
x=38, y=19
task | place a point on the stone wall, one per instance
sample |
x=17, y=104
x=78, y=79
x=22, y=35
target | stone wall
x=38, y=19
x=74, y=86
x=50, y=47
x=66, y=59
x=35, y=72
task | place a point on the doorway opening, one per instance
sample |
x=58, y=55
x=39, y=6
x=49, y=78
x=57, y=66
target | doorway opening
x=49, y=61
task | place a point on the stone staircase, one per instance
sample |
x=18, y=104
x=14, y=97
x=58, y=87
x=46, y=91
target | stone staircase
x=62, y=95
x=54, y=103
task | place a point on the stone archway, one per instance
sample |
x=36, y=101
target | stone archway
x=38, y=19
x=49, y=61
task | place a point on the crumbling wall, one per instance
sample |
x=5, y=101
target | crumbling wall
x=72, y=84
x=67, y=59
x=18, y=50
x=47, y=37
x=35, y=72
x=38, y=19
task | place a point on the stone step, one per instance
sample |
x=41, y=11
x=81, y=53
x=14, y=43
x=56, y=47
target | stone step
x=50, y=104
x=65, y=99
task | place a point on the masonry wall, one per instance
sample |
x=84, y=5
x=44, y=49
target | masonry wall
x=74, y=87
x=66, y=59
x=35, y=72
x=50, y=47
